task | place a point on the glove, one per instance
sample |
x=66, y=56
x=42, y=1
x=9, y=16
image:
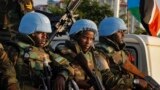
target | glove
x=142, y=83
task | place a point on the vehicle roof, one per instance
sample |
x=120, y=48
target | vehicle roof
x=149, y=40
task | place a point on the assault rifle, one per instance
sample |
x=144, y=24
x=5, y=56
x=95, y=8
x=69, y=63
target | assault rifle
x=81, y=59
x=134, y=70
x=66, y=20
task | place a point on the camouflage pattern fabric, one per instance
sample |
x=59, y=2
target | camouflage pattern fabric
x=30, y=65
x=77, y=73
x=118, y=78
x=8, y=79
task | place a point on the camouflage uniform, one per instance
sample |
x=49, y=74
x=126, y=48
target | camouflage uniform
x=120, y=79
x=8, y=79
x=29, y=64
x=68, y=51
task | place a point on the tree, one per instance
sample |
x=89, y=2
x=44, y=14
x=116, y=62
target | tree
x=56, y=10
x=140, y=31
x=93, y=10
x=88, y=9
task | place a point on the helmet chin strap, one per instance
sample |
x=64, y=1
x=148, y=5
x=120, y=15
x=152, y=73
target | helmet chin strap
x=30, y=37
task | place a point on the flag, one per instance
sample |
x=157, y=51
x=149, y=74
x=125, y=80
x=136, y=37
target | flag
x=148, y=13
x=133, y=7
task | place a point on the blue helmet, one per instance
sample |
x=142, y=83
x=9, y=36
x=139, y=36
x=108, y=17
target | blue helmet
x=82, y=25
x=34, y=22
x=111, y=25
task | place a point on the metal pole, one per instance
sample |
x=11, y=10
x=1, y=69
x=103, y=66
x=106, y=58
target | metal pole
x=132, y=24
x=116, y=8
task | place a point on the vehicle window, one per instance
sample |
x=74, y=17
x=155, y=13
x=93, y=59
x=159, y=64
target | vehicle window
x=133, y=54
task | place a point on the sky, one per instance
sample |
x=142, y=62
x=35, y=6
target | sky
x=42, y=2
x=158, y=3
x=39, y=2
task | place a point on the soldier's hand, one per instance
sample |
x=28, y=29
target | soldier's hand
x=142, y=83
x=59, y=83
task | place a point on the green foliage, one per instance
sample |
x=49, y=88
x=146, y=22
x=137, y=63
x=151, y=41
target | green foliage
x=88, y=9
x=56, y=10
x=93, y=10
x=140, y=31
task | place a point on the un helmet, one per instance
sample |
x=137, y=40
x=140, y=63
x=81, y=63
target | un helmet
x=82, y=25
x=34, y=22
x=111, y=25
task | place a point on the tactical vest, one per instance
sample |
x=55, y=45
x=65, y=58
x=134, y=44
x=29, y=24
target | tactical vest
x=29, y=65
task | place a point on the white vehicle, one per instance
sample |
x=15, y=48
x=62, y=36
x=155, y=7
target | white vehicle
x=146, y=51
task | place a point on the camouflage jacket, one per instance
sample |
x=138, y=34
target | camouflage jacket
x=29, y=63
x=118, y=78
x=8, y=79
x=68, y=50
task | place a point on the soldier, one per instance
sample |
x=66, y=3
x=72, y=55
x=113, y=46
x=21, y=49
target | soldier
x=8, y=79
x=31, y=58
x=11, y=12
x=111, y=34
x=82, y=34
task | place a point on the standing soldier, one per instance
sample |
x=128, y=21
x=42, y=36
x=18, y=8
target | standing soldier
x=31, y=58
x=8, y=79
x=82, y=34
x=111, y=34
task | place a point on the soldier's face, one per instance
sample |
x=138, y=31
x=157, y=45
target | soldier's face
x=119, y=36
x=86, y=40
x=40, y=38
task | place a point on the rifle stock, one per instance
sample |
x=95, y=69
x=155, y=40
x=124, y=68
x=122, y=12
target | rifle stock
x=94, y=79
x=134, y=70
